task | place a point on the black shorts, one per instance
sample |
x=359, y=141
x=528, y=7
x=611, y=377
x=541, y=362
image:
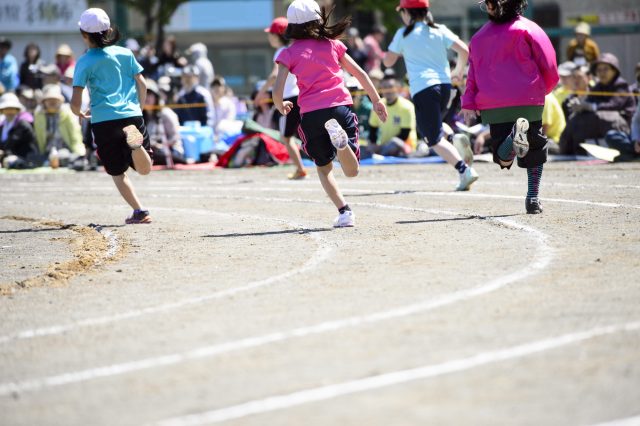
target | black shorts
x=537, y=154
x=315, y=138
x=288, y=124
x=431, y=104
x=111, y=142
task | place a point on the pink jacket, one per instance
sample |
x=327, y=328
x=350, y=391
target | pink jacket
x=511, y=64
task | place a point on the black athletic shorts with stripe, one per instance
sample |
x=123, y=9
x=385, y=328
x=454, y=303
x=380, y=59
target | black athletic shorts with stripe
x=113, y=151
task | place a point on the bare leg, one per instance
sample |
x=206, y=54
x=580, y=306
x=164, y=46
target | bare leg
x=294, y=153
x=447, y=151
x=141, y=161
x=126, y=189
x=348, y=162
x=328, y=181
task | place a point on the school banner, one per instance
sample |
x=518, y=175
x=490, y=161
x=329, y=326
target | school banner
x=40, y=16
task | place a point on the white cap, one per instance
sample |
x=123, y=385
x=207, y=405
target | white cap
x=94, y=20
x=302, y=11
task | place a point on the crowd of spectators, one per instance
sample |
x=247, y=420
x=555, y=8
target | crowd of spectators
x=592, y=102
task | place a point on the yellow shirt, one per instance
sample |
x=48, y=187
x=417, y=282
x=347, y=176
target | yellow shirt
x=553, y=117
x=402, y=115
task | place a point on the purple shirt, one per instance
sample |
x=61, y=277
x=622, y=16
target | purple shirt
x=316, y=65
x=510, y=64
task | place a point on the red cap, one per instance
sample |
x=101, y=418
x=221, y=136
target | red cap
x=413, y=4
x=278, y=26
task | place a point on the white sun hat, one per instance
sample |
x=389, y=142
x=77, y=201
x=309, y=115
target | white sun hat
x=94, y=20
x=302, y=11
x=10, y=100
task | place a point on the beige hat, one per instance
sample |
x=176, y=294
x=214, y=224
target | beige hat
x=64, y=50
x=10, y=100
x=583, y=28
x=52, y=91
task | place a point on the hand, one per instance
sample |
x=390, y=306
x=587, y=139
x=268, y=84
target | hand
x=381, y=110
x=457, y=77
x=285, y=108
x=478, y=144
x=86, y=114
x=636, y=147
x=469, y=116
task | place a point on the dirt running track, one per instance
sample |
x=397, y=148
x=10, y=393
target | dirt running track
x=240, y=304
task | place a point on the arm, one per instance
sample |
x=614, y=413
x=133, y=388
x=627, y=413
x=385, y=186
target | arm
x=278, y=90
x=76, y=103
x=141, y=88
x=457, y=74
x=469, y=107
x=261, y=96
x=545, y=57
x=390, y=59
x=352, y=68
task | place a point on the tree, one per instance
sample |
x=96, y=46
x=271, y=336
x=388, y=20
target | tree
x=386, y=7
x=156, y=13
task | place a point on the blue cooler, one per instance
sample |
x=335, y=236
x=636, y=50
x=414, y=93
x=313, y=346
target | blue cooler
x=196, y=139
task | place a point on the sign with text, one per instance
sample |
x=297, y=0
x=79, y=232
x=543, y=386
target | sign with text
x=40, y=16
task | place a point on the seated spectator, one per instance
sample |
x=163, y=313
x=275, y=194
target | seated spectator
x=224, y=109
x=592, y=117
x=553, y=122
x=563, y=90
x=198, y=55
x=30, y=68
x=170, y=57
x=64, y=58
x=397, y=136
x=582, y=50
x=375, y=54
x=57, y=127
x=9, y=73
x=18, y=147
x=29, y=99
x=355, y=47
x=635, y=87
x=163, y=128
x=376, y=77
x=51, y=75
x=192, y=93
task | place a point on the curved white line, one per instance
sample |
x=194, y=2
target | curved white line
x=321, y=254
x=324, y=393
x=629, y=421
x=544, y=254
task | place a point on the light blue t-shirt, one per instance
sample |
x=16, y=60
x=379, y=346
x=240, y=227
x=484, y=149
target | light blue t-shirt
x=425, y=55
x=109, y=73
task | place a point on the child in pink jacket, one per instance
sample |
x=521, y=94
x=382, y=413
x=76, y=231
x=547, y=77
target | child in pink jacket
x=512, y=66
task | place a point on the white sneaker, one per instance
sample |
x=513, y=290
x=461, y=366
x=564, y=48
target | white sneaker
x=345, y=220
x=519, y=137
x=338, y=136
x=466, y=179
x=462, y=144
x=134, y=137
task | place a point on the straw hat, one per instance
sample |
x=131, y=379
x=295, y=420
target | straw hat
x=10, y=100
x=64, y=50
x=52, y=91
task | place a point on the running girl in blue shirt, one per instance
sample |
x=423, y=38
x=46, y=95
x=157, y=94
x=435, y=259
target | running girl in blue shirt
x=117, y=89
x=424, y=45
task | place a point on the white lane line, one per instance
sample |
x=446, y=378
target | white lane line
x=381, y=192
x=324, y=393
x=321, y=254
x=543, y=257
x=629, y=421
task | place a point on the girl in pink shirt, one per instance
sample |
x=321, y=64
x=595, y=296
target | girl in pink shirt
x=329, y=126
x=512, y=66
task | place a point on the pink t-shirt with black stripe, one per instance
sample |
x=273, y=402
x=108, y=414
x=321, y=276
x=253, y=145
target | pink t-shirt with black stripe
x=316, y=65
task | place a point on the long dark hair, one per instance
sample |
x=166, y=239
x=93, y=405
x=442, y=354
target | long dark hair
x=320, y=28
x=105, y=38
x=419, y=14
x=507, y=10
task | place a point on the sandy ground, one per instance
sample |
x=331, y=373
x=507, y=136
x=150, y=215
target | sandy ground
x=241, y=304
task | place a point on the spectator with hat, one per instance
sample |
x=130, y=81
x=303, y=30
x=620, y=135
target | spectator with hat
x=582, y=50
x=288, y=125
x=57, y=127
x=192, y=93
x=64, y=58
x=198, y=54
x=563, y=90
x=9, y=77
x=593, y=116
x=17, y=139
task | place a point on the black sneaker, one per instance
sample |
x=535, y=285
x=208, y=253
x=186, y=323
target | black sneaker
x=138, y=216
x=533, y=205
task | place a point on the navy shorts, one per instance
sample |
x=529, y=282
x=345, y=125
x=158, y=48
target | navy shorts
x=315, y=139
x=288, y=124
x=113, y=151
x=431, y=104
